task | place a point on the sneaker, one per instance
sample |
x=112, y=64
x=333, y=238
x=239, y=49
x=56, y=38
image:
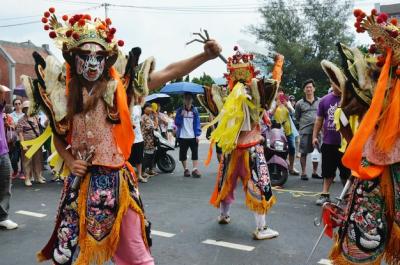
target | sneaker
x=21, y=176
x=316, y=176
x=28, y=182
x=41, y=180
x=322, y=199
x=142, y=179
x=8, y=224
x=152, y=172
x=186, y=173
x=196, y=174
x=265, y=233
x=14, y=175
x=224, y=220
x=304, y=177
x=294, y=172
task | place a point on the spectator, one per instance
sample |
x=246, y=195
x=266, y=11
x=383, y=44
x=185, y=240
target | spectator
x=187, y=121
x=162, y=121
x=28, y=128
x=306, y=112
x=282, y=112
x=331, y=142
x=15, y=151
x=148, y=125
x=5, y=169
x=171, y=128
x=136, y=157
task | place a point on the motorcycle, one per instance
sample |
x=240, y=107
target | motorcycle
x=276, y=153
x=165, y=162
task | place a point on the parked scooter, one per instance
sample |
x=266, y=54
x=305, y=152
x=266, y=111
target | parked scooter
x=276, y=153
x=165, y=162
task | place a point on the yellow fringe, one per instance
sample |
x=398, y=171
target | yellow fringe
x=337, y=258
x=259, y=207
x=40, y=257
x=392, y=253
x=91, y=250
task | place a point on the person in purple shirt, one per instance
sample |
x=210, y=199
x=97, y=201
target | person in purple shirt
x=5, y=168
x=331, y=140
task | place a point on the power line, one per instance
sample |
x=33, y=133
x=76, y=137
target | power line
x=38, y=21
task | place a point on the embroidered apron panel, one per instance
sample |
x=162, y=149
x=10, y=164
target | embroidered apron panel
x=102, y=202
x=364, y=237
x=68, y=231
x=259, y=183
x=396, y=188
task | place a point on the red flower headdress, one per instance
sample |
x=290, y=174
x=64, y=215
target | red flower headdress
x=78, y=29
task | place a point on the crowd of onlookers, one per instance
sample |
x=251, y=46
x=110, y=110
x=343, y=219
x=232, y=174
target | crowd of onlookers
x=304, y=122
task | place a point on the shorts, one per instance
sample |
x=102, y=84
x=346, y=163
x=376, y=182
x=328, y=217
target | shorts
x=306, y=145
x=291, y=144
x=137, y=153
x=184, y=145
x=331, y=161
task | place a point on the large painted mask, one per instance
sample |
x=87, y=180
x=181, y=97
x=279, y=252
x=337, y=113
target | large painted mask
x=90, y=61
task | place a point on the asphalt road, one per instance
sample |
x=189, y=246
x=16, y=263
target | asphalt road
x=183, y=220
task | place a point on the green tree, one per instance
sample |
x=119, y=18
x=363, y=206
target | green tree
x=305, y=33
x=204, y=80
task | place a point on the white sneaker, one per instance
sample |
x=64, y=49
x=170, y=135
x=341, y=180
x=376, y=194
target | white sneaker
x=8, y=224
x=142, y=179
x=41, y=180
x=28, y=182
x=265, y=233
x=224, y=220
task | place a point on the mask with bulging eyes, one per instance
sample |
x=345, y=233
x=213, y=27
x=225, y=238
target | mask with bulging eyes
x=90, y=62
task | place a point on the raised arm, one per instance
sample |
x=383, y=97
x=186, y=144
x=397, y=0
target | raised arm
x=184, y=67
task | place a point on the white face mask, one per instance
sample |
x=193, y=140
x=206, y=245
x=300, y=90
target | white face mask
x=91, y=65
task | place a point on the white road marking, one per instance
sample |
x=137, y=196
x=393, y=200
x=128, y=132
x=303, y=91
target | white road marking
x=33, y=214
x=160, y=233
x=228, y=245
x=324, y=262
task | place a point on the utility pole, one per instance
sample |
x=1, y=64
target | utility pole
x=106, y=5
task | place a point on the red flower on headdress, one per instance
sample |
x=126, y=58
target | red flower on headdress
x=121, y=43
x=44, y=20
x=46, y=27
x=52, y=34
x=81, y=22
x=76, y=36
x=65, y=17
x=113, y=30
x=46, y=14
x=68, y=33
x=52, y=9
x=108, y=21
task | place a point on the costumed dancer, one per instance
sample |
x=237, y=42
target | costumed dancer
x=239, y=136
x=101, y=216
x=370, y=221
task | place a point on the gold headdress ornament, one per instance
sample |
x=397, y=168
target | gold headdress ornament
x=384, y=32
x=75, y=30
x=240, y=68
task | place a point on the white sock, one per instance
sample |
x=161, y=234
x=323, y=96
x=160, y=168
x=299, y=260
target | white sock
x=260, y=220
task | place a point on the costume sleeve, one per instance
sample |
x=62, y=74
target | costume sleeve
x=142, y=76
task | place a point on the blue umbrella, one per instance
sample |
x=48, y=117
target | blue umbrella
x=158, y=98
x=182, y=88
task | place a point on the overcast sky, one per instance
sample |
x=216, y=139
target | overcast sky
x=161, y=33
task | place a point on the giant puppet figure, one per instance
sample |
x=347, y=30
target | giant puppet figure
x=101, y=216
x=369, y=221
x=239, y=136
